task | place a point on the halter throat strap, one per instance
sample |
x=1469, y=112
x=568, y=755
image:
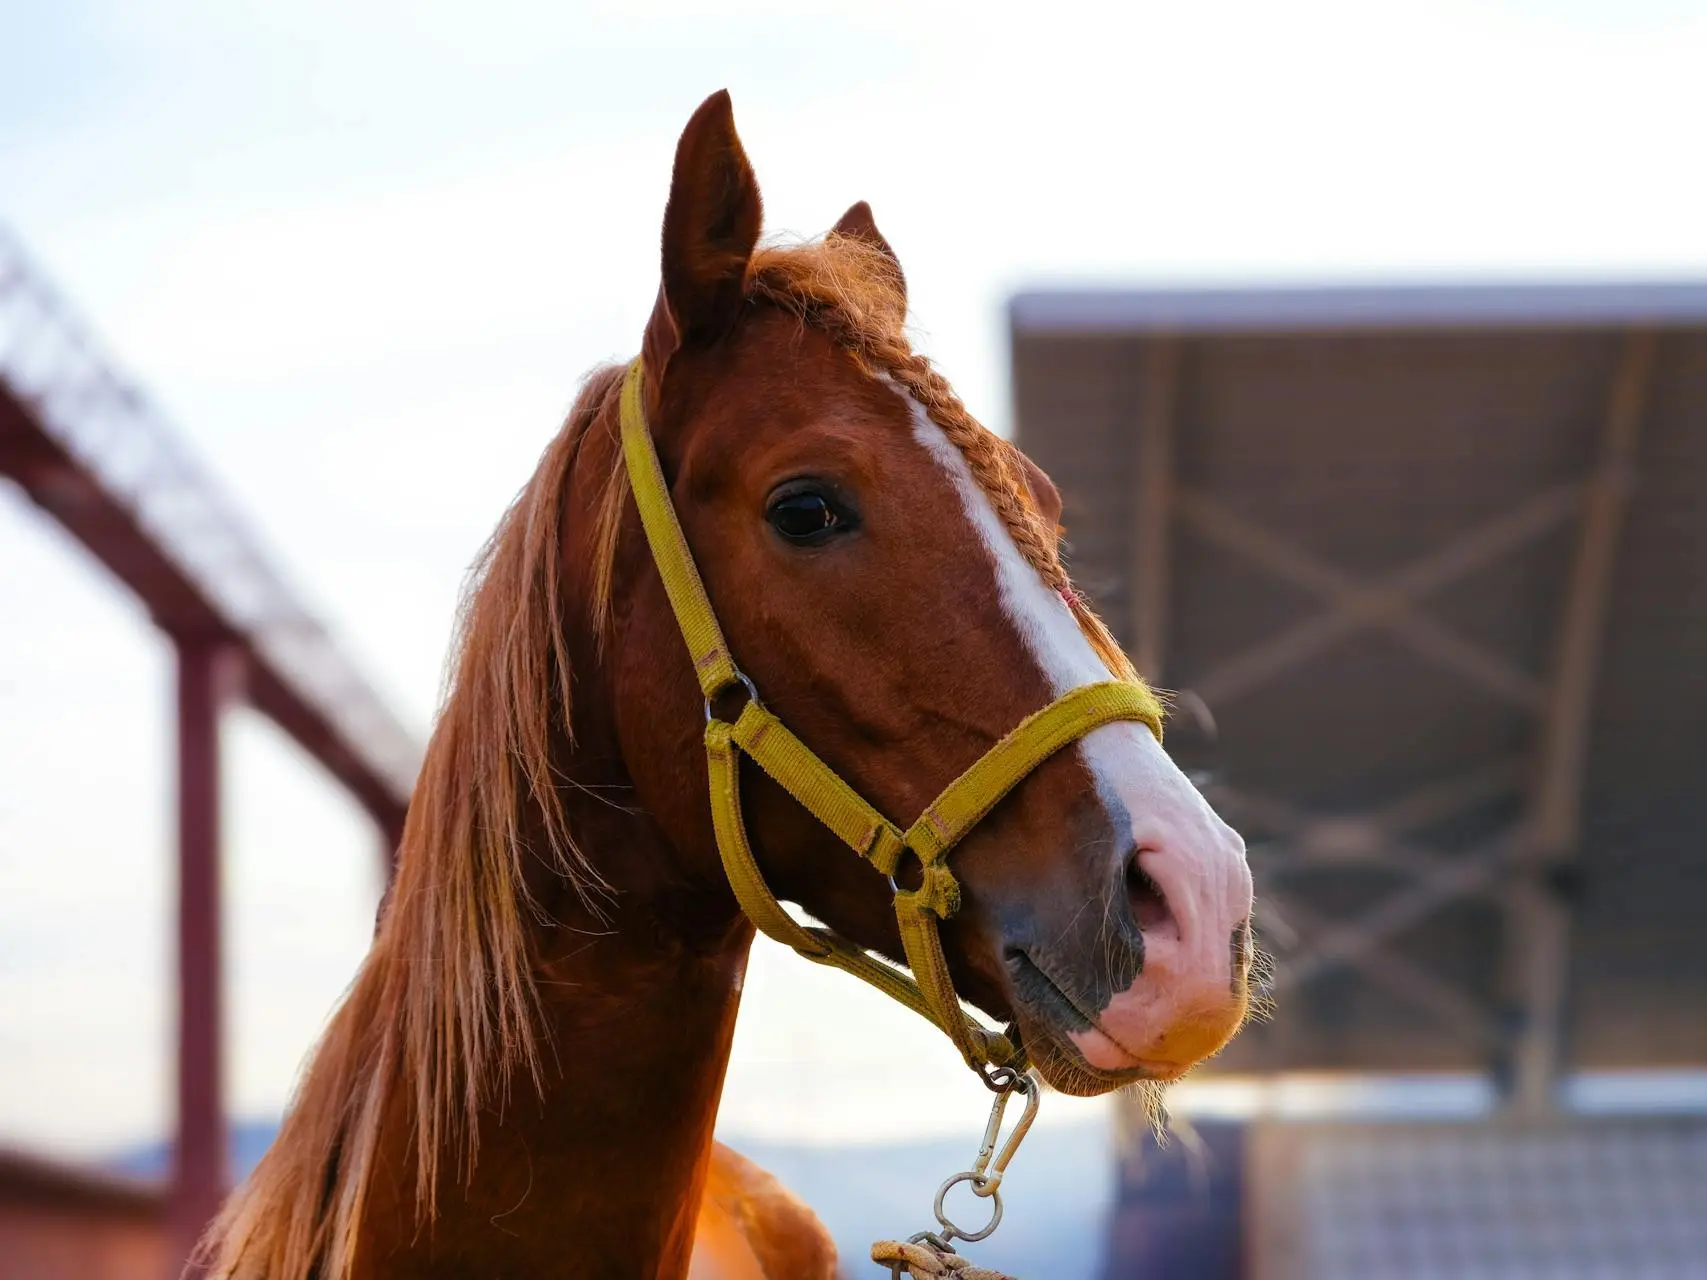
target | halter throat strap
x=763, y=738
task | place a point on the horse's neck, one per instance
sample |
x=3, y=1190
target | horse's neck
x=600, y=1173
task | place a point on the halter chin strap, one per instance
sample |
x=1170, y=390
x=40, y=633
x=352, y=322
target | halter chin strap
x=759, y=735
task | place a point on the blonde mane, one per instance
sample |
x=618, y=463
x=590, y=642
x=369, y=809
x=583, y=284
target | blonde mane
x=444, y=1009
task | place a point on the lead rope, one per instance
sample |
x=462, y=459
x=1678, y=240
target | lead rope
x=930, y=1254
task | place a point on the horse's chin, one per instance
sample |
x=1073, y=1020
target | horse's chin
x=1057, y=1037
x=1064, y=1069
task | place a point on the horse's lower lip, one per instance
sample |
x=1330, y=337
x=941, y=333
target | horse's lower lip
x=1063, y=1019
x=1151, y=1068
x=1130, y=1065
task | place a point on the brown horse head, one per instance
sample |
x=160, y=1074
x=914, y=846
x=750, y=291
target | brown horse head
x=532, y=1054
x=887, y=572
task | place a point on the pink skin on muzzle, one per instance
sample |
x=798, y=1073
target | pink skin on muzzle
x=1185, y=1003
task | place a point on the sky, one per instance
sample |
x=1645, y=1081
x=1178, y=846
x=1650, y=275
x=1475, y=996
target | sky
x=361, y=254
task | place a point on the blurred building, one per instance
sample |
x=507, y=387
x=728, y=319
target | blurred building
x=1179, y=1208
x=1429, y=568
x=58, y=1221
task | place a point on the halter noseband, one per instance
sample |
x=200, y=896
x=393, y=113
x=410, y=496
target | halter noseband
x=758, y=734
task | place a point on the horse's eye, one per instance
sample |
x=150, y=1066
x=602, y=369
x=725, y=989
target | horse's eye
x=806, y=516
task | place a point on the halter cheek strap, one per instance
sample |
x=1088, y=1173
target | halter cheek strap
x=760, y=736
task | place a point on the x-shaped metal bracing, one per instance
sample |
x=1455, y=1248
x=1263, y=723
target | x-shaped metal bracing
x=1309, y=842
x=1393, y=602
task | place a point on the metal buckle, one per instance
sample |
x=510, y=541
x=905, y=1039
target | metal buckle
x=752, y=694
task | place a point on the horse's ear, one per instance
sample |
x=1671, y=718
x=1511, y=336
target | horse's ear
x=1043, y=490
x=711, y=225
x=858, y=224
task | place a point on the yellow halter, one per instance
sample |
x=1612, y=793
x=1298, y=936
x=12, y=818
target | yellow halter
x=767, y=741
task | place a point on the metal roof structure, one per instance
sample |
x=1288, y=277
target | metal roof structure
x=86, y=446
x=1434, y=561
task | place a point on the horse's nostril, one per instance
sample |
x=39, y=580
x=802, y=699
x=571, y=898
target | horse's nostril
x=1145, y=898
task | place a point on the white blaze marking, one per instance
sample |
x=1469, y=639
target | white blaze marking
x=1050, y=631
x=1137, y=782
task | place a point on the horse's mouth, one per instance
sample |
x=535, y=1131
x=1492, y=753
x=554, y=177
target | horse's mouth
x=1048, y=1018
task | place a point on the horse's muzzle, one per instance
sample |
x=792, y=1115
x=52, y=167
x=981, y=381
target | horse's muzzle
x=1147, y=977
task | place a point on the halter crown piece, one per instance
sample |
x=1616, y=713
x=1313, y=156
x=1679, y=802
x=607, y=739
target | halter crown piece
x=763, y=738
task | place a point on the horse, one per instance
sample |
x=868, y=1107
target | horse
x=524, y=1075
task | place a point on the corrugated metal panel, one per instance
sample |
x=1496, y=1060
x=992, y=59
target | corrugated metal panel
x=1605, y=1199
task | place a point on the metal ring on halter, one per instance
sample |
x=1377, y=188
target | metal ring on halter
x=745, y=684
x=1000, y=1080
x=894, y=888
x=995, y=1198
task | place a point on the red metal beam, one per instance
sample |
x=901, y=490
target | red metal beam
x=110, y=526
x=53, y=480
x=207, y=676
